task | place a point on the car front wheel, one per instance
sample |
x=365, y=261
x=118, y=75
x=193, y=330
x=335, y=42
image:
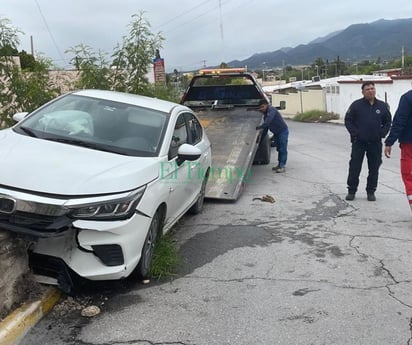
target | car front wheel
x=152, y=237
x=198, y=205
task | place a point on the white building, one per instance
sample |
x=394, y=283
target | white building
x=334, y=95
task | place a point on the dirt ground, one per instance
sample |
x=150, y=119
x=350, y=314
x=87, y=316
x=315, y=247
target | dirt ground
x=26, y=289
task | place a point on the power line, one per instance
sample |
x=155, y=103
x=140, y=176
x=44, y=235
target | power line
x=221, y=20
x=194, y=18
x=182, y=14
x=49, y=31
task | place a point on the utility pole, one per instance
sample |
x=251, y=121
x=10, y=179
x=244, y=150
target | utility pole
x=403, y=57
x=31, y=45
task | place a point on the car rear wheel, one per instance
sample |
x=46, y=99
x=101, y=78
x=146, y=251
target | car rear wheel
x=197, y=207
x=152, y=238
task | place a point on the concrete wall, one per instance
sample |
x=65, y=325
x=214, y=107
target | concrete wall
x=13, y=272
x=300, y=100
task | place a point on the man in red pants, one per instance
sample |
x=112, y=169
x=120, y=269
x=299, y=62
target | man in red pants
x=402, y=130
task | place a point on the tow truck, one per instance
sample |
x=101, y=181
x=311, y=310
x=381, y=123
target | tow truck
x=226, y=102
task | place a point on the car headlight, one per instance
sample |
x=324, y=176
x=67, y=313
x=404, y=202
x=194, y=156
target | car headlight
x=111, y=210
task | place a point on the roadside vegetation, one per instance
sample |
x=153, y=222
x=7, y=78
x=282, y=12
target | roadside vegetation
x=124, y=69
x=315, y=116
x=166, y=259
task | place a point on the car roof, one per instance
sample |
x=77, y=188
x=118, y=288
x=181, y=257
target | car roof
x=133, y=99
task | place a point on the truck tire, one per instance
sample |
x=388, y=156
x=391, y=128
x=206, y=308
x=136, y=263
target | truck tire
x=262, y=155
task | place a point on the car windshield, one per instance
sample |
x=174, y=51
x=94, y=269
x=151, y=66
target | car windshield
x=98, y=124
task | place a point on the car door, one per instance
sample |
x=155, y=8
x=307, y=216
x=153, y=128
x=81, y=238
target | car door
x=197, y=138
x=178, y=176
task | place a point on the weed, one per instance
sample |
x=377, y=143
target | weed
x=165, y=258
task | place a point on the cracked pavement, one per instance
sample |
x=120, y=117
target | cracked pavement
x=309, y=269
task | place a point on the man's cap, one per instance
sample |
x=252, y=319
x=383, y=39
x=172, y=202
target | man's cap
x=263, y=101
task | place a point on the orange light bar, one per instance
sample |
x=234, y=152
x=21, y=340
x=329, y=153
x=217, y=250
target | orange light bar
x=222, y=70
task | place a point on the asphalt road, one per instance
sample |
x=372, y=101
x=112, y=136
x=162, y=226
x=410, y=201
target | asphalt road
x=309, y=269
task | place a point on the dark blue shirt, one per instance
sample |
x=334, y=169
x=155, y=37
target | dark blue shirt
x=402, y=122
x=368, y=122
x=273, y=121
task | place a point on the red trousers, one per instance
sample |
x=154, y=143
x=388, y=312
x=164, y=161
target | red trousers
x=406, y=170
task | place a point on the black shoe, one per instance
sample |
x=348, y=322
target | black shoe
x=350, y=196
x=371, y=197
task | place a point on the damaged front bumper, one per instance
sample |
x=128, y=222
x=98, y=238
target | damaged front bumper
x=68, y=250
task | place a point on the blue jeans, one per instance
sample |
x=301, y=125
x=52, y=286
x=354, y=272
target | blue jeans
x=282, y=147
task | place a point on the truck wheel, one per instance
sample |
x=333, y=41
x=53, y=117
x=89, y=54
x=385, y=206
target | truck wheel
x=263, y=152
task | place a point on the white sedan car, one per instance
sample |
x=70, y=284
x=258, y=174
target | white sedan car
x=93, y=178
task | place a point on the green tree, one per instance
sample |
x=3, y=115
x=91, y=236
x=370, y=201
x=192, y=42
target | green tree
x=133, y=58
x=95, y=72
x=8, y=45
x=27, y=61
x=8, y=51
x=21, y=91
x=29, y=90
x=9, y=42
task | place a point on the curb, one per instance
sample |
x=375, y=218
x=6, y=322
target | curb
x=17, y=324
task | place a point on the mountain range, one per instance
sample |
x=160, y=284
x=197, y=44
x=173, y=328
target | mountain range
x=382, y=39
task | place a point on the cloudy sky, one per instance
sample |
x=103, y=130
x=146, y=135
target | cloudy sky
x=197, y=33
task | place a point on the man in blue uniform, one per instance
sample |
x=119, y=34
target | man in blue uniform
x=367, y=120
x=273, y=121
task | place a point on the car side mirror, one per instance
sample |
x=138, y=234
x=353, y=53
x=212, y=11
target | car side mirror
x=19, y=116
x=187, y=152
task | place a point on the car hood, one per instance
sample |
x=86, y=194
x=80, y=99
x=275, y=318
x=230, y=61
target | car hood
x=49, y=167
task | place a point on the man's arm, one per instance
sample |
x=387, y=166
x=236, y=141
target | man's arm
x=400, y=120
x=269, y=118
x=350, y=122
x=387, y=151
x=386, y=122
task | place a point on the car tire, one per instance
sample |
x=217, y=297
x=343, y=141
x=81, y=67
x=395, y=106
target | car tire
x=142, y=270
x=263, y=152
x=197, y=207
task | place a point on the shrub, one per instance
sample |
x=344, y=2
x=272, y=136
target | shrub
x=315, y=116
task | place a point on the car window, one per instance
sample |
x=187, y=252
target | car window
x=195, y=129
x=179, y=136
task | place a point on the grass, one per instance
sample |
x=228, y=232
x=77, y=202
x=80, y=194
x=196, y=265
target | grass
x=166, y=258
x=315, y=116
